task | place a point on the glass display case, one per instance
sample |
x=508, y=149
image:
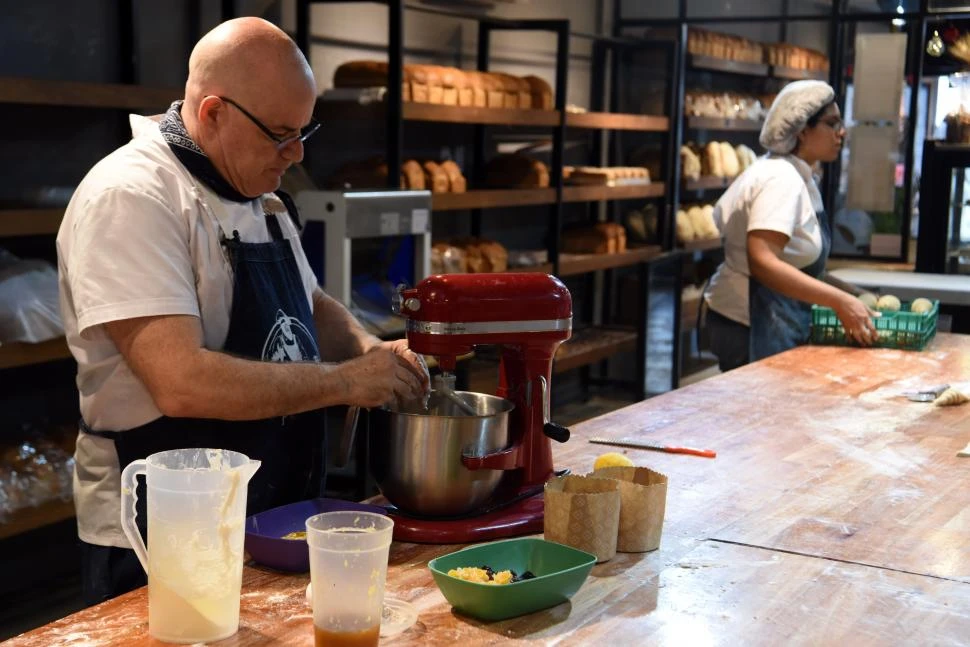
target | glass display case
x=943, y=246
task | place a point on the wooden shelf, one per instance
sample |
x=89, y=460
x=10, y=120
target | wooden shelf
x=495, y=198
x=594, y=193
x=718, y=123
x=591, y=345
x=329, y=110
x=617, y=121
x=707, y=183
x=573, y=264
x=87, y=95
x=702, y=245
x=798, y=75
x=723, y=65
x=20, y=354
x=29, y=222
x=491, y=198
x=27, y=519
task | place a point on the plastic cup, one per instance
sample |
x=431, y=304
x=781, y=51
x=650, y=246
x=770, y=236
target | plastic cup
x=348, y=568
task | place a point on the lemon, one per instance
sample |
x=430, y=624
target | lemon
x=612, y=459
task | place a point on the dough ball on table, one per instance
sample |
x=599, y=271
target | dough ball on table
x=950, y=397
x=888, y=303
x=921, y=305
x=869, y=299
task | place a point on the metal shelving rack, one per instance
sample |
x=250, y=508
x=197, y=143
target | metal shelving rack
x=558, y=121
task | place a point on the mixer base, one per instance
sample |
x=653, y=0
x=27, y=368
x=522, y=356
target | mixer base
x=523, y=517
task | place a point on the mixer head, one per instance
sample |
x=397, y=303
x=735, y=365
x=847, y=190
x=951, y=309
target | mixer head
x=451, y=313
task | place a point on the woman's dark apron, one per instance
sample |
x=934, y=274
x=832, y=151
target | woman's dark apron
x=270, y=320
x=779, y=323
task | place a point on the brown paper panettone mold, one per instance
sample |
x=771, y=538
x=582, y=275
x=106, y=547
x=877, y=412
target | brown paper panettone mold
x=583, y=512
x=643, y=502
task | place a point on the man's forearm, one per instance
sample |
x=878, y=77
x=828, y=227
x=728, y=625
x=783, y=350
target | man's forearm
x=232, y=388
x=340, y=335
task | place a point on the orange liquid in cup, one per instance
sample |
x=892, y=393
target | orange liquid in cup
x=328, y=638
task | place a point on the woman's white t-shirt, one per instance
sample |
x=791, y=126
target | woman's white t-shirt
x=776, y=193
x=141, y=237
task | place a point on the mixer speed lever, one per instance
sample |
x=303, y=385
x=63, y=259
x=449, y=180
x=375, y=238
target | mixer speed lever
x=556, y=431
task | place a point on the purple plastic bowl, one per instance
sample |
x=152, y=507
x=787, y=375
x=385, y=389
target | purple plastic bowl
x=265, y=530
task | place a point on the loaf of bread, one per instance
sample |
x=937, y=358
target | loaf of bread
x=371, y=173
x=683, y=229
x=368, y=173
x=729, y=160
x=515, y=171
x=448, y=259
x=413, y=175
x=435, y=178
x=746, y=156
x=690, y=164
x=541, y=93
x=494, y=90
x=456, y=181
x=368, y=74
x=518, y=91
x=601, y=238
x=701, y=42
x=711, y=163
x=450, y=86
x=482, y=255
x=608, y=175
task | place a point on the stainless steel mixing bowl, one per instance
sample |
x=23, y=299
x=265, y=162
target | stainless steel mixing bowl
x=415, y=454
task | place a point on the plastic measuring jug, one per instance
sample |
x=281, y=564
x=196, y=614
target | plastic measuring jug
x=348, y=568
x=196, y=508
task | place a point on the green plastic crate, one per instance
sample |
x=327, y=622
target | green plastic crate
x=904, y=329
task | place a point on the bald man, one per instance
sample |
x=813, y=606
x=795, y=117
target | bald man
x=189, y=305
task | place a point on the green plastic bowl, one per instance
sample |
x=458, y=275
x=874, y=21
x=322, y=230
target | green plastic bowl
x=559, y=572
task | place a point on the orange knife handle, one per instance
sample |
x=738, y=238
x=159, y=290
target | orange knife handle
x=705, y=453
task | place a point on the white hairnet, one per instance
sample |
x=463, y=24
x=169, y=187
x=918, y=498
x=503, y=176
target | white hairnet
x=792, y=108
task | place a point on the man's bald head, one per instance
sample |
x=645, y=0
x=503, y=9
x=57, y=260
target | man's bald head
x=245, y=58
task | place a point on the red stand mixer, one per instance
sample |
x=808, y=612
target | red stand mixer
x=529, y=315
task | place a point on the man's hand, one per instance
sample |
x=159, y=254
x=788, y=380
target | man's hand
x=388, y=373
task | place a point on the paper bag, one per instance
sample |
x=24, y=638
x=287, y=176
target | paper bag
x=583, y=512
x=643, y=502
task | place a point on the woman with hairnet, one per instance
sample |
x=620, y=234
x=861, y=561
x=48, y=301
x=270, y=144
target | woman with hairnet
x=777, y=238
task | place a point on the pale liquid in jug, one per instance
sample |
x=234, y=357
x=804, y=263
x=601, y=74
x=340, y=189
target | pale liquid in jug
x=194, y=580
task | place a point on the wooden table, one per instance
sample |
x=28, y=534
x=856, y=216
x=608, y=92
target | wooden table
x=836, y=512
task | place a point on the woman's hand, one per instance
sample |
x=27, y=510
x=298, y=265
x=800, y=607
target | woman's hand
x=857, y=320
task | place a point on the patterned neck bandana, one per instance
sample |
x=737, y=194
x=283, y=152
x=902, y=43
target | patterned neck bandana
x=188, y=152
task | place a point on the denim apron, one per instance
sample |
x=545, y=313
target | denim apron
x=779, y=323
x=270, y=320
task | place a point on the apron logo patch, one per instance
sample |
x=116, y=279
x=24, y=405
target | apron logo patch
x=289, y=341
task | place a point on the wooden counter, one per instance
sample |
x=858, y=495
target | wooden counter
x=836, y=512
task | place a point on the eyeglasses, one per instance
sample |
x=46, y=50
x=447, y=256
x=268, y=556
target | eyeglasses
x=281, y=142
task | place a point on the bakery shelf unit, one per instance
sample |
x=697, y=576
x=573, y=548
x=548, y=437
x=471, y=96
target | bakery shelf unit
x=553, y=126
